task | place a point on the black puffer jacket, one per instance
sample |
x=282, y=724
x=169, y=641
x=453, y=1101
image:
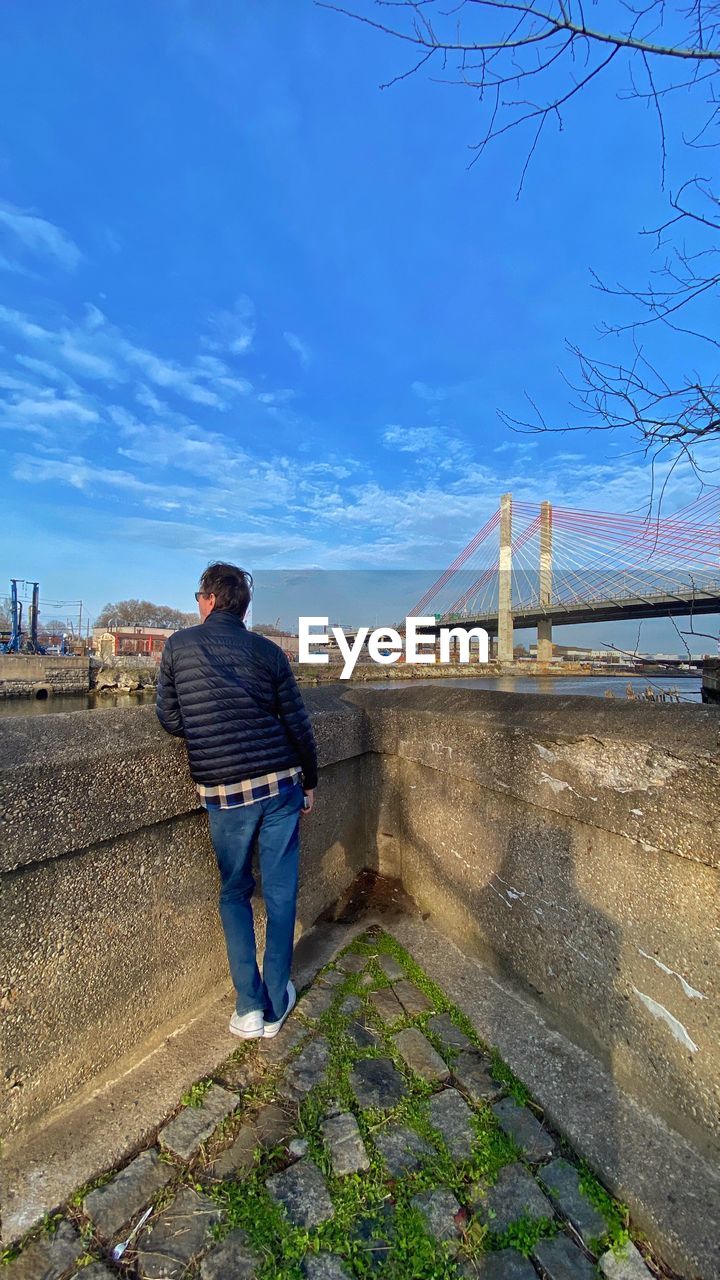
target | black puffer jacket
x=232, y=695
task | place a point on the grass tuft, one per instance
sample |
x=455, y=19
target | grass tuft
x=524, y=1234
x=196, y=1093
x=616, y=1214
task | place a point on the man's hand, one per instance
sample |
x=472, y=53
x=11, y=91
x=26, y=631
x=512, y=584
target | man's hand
x=311, y=800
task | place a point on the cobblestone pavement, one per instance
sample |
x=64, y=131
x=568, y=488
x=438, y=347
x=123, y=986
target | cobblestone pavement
x=375, y=1136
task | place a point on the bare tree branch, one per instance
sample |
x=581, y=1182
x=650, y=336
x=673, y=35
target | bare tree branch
x=422, y=34
x=527, y=61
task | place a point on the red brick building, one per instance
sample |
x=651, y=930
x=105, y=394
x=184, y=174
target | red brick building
x=143, y=641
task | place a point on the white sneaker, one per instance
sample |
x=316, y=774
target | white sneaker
x=272, y=1028
x=249, y=1026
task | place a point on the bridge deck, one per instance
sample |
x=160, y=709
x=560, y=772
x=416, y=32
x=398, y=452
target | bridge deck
x=566, y=614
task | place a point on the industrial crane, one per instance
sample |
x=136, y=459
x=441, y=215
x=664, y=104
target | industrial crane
x=14, y=641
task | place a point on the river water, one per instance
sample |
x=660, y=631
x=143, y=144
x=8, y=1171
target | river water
x=73, y=702
x=687, y=687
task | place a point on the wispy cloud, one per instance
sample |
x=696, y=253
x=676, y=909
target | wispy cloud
x=339, y=470
x=16, y=268
x=50, y=409
x=47, y=372
x=179, y=443
x=283, y=396
x=170, y=376
x=87, y=363
x=233, y=330
x=432, y=394
x=435, y=447
x=23, y=325
x=81, y=474
x=44, y=411
x=246, y=545
x=95, y=348
x=410, y=439
x=301, y=349
x=28, y=234
x=436, y=393
x=238, y=499
x=517, y=446
x=8, y=382
x=214, y=368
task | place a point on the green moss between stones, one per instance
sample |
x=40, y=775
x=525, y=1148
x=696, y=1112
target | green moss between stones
x=616, y=1214
x=524, y=1234
x=246, y=1203
x=196, y=1093
x=78, y=1196
x=47, y=1229
x=501, y=1072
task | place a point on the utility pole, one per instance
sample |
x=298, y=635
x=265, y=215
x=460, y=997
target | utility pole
x=545, y=644
x=505, y=618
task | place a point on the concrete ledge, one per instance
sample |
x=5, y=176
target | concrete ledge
x=651, y=773
x=101, y=774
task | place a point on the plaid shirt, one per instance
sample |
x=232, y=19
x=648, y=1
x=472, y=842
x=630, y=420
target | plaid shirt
x=229, y=795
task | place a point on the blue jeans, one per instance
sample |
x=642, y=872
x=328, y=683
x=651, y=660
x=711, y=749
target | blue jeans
x=275, y=824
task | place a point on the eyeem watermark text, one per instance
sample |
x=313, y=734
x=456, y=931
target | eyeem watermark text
x=386, y=645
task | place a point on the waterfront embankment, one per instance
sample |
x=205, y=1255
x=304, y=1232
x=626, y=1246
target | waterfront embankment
x=132, y=687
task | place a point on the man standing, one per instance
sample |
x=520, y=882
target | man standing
x=233, y=697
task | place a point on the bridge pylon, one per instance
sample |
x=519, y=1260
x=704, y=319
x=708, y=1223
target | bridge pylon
x=505, y=618
x=544, y=631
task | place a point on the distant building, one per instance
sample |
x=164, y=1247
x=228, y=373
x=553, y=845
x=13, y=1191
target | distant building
x=144, y=641
x=289, y=644
x=577, y=653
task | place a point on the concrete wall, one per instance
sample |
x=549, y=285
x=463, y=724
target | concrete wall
x=573, y=845
x=570, y=843
x=125, y=662
x=109, y=888
x=25, y=675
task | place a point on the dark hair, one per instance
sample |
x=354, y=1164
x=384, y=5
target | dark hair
x=232, y=587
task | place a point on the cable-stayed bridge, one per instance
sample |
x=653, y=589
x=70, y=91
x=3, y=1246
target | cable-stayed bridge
x=538, y=565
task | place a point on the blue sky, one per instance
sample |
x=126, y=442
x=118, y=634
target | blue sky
x=253, y=307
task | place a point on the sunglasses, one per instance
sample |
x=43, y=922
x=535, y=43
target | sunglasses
x=205, y=594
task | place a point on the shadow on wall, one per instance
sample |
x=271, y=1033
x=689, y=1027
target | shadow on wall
x=509, y=895
x=559, y=909
x=580, y=960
